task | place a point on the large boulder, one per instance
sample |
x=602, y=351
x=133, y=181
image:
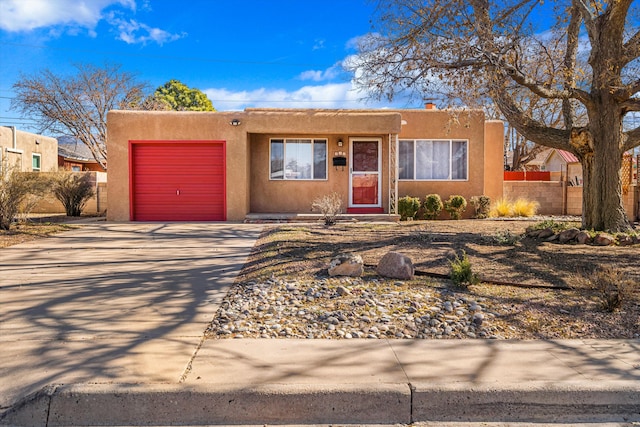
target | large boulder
x=396, y=266
x=346, y=265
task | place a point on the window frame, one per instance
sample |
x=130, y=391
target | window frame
x=39, y=157
x=451, y=157
x=313, y=141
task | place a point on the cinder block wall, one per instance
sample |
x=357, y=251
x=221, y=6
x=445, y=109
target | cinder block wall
x=548, y=194
x=550, y=197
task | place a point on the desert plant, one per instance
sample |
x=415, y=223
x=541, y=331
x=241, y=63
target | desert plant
x=73, y=190
x=455, y=205
x=481, y=206
x=525, y=208
x=501, y=208
x=432, y=206
x=461, y=271
x=612, y=286
x=408, y=207
x=330, y=206
x=18, y=192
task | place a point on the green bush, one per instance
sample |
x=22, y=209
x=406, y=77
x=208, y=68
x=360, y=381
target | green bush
x=461, y=272
x=73, y=190
x=432, y=206
x=455, y=205
x=481, y=206
x=408, y=207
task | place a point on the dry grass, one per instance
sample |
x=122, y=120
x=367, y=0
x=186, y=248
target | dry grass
x=26, y=231
x=553, y=305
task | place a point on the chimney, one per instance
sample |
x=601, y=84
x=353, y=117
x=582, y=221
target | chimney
x=430, y=106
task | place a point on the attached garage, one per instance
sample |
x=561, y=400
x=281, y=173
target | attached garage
x=177, y=180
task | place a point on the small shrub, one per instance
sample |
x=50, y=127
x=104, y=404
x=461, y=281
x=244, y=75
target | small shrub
x=506, y=238
x=73, y=190
x=524, y=208
x=19, y=192
x=408, y=207
x=481, y=206
x=330, y=206
x=613, y=288
x=432, y=206
x=553, y=225
x=455, y=205
x=501, y=208
x=461, y=272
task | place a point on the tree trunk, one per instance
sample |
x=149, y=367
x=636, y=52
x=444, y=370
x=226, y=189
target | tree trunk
x=601, y=155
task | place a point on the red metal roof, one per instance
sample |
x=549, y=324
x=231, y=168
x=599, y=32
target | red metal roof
x=568, y=157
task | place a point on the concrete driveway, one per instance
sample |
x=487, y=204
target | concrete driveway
x=112, y=302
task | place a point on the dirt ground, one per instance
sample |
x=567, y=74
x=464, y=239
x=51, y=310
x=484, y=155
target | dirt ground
x=552, y=301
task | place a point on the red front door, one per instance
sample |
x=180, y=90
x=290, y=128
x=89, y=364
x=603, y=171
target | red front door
x=365, y=173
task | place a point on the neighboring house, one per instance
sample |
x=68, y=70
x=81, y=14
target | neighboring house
x=28, y=151
x=217, y=166
x=75, y=156
x=562, y=164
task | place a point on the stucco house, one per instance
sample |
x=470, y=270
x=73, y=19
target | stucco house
x=75, y=156
x=225, y=166
x=560, y=163
x=30, y=152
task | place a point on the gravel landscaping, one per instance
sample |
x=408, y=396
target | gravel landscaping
x=284, y=291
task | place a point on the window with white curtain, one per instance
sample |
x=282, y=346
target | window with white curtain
x=433, y=159
x=298, y=159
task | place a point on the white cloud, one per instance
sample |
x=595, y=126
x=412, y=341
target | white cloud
x=75, y=16
x=131, y=31
x=319, y=76
x=27, y=15
x=333, y=95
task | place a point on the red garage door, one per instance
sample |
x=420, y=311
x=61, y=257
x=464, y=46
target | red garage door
x=177, y=180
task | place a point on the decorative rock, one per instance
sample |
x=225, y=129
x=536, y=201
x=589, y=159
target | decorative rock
x=568, y=235
x=395, y=265
x=583, y=238
x=346, y=265
x=603, y=239
x=625, y=240
x=547, y=232
x=342, y=291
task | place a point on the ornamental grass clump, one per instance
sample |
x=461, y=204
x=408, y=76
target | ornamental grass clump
x=525, y=208
x=408, y=207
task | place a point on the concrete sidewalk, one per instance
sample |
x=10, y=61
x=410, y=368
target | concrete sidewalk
x=104, y=325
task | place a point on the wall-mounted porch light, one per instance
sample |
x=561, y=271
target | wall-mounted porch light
x=235, y=122
x=340, y=142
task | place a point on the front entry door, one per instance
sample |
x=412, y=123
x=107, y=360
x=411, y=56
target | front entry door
x=365, y=168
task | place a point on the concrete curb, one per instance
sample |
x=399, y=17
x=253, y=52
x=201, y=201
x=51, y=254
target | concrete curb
x=173, y=404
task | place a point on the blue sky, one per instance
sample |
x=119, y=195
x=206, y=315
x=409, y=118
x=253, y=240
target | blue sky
x=241, y=53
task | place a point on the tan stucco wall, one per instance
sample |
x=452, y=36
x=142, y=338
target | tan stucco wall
x=247, y=146
x=124, y=126
x=444, y=124
x=95, y=205
x=26, y=145
x=493, y=159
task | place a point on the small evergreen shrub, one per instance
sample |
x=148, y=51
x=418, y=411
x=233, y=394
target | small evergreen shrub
x=408, y=207
x=461, y=272
x=481, y=206
x=455, y=205
x=432, y=206
x=73, y=190
x=330, y=206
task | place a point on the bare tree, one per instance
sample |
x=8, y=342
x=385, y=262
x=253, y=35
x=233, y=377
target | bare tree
x=493, y=45
x=77, y=105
